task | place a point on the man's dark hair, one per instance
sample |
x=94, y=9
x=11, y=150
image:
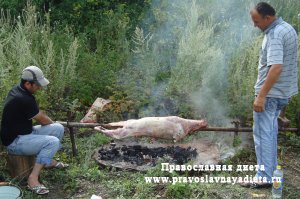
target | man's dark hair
x=265, y=9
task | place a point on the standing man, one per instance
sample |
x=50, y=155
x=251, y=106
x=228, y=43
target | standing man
x=276, y=83
x=17, y=132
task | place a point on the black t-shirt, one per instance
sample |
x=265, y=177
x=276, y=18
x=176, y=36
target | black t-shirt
x=19, y=108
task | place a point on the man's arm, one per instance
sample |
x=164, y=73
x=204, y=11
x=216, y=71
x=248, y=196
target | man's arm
x=42, y=118
x=272, y=77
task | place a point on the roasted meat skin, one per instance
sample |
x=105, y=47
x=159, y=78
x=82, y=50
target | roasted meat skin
x=170, y=127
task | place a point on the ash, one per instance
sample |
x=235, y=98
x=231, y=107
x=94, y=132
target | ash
x=141, y=155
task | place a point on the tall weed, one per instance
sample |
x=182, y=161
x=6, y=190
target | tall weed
x=28, y=40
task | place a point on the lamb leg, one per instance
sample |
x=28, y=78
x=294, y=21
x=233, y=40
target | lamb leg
x=118, y=133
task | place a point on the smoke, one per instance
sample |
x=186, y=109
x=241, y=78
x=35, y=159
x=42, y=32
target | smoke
x=181, y=54
x=180, y=61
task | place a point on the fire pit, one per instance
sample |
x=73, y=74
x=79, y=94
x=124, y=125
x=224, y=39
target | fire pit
x=132, y=155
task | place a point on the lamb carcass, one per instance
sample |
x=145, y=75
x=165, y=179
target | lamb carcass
x=170, y=127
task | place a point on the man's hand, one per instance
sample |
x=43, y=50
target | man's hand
x=259, y=104
x=272, y=77
x=42, y=118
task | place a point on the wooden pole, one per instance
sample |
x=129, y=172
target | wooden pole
x=236, y=132
x=247, y=129
x=87, y=125
x=236, y=129
x=74, y=146
x=223, y=129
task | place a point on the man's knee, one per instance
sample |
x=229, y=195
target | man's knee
x=50, y=147
x=53, y=143
x=59, y=129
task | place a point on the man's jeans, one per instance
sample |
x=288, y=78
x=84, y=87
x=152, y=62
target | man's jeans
x=44, y=142
x=265, y=131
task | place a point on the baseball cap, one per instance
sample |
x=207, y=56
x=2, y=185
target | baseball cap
x=35, y=74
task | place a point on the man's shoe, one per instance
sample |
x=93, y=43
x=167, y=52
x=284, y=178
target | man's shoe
x=255, y=185
x=260, y=185
x=245, y=184
x=39, y=189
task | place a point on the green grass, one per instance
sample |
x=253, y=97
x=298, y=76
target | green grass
x=84, y=177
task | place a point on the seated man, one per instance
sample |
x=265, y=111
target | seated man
x=20, y=136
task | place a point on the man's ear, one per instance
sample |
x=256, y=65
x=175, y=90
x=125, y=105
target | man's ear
x=268, y=17
x=27, y=84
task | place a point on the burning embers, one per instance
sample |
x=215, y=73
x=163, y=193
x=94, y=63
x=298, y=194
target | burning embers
x=139, y=157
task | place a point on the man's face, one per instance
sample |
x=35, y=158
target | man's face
x=262, y=22
x=32, y=87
